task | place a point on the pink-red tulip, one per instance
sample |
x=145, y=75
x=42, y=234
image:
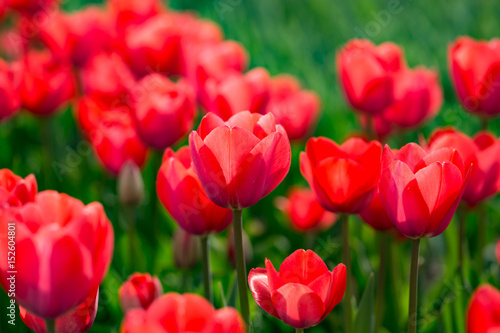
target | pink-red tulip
x=78, y=320
x=31, y=7
x=482, y=153
x=474, y=70
x=366, y=74
x=9, y=90
x=375, y=215
x=304, y=212
x=139, y=291
x=130, y=12
x=16, y=191
x=242, y=160
x=344, y=178
x=483, y=310
x=182, y=194
x=46, y=83
x=420, y=190
x=60, y=244
x=188, y=313
x=163, y=111
x=296, y=109
x=302, y=293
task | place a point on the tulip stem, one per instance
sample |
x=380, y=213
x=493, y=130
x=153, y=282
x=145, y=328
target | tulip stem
x=412, y=309
x=481, y=238
x=129, y=213
x=462, y=219
x=382, y=267
x=157, y=160
x=241, y=271
x=50, y=324
x=370, y=132
x=299, y=330
x=346, y=259
x=207, y=273
x=48, y=158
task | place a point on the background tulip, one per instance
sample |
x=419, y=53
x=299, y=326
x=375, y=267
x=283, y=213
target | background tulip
x=130, y=12
x=16, y=191
x=375, y=215
x=139, y=291
x=9, y=90
x=31, y=7
x=302, y=293
x=186, y=249
x=482, y=311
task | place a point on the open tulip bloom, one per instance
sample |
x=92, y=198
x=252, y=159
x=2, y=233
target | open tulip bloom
x=302, y=293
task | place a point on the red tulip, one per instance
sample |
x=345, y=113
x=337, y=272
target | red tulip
x=174, y=313
x=474, y=72
x=304, y=211
x=46, y=83
x=302, y=293
x=241, y=160
x=375, y=215
x=16, y=191
x=380, y=126
x=79, y=319
x=164, y=111
x=417, y=97
x=9, y=90
x=366, y=74
x=238, y=92
x=60, y=244
x=296, y=109
x=107, y=78
x=139, y=291
x=344, y=178
x=31, y=7
x=482, y=153
x=421, y=190
x=182, y=194
x=483, y=310
x=129, y=12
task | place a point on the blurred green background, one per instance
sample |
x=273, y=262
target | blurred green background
x=300, y=38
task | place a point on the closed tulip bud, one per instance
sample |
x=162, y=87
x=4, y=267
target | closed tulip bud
x=130, y=185
x=366, y=74
x=16, y=191
x=302, y=293
x=139, y=291
x=483, y=309
x=186, y=249
x=473, y=70
x=78, y=320
x=247, y=248
x=9, y=91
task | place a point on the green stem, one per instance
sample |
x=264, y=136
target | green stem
x=157, y=160
x=207, y=274
x=129, y=216
x=48, y=158
x=50, y=324
x=462, y=219
x=481, y=238
x=370, y=131
x=299, y=330
x=412, y=309
x=380, y=298
x=241, y=271
x=346, y=259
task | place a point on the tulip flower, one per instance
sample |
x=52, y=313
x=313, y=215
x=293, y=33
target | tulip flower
x=182, y=313
x=473, y=71
x=46, y=83
x=78, y=320
x=164, y=111
x=296, y=109
x=139, y=291
x=304, y=212
x=9, y=91
x=60, y=243
x=16, y=191
x=482, y=310
x=186, y=249
x=31, y=7
x=131, y=12
x=302, y=293
x=375, y=215
x=366, y=74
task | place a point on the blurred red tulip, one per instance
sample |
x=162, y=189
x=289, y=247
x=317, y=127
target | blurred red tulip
x=483, y=310
x=302, y=293
x=182, y=313
x=107, y=78
x=31, y=7
x=474, y=70
x=163, y=111
x=375, y=215
x=60, y=244
x=46, y=83
x=16, y=191
x=379, y=126
x=182, y=194
x=78, y=320
x=130, y=12
x=420, y=190
x=304, y=212
x=237, y=93
x=366, y=74
x=91, y=111
x=9, y=90
x=482, y=153
x=344, y=178
x=296, y=109
x=242, y=160
x=417, y=97
x=139, y=291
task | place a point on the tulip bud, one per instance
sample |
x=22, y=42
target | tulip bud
x=139, y=291
x=247, y=248
x=186, y=248
x=130, y=184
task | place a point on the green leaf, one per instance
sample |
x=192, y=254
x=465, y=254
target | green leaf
x=365, y=317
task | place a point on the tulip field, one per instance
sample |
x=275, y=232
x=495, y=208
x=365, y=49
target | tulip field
x=230, y=166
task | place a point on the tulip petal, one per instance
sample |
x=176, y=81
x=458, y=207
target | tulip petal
x=228, y=320
x=273, y=277
x=259, y=285
x=302, y=267
x=208, y=124
x=338, y=285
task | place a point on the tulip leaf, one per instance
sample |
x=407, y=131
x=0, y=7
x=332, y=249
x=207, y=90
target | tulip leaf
x=365, y=317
